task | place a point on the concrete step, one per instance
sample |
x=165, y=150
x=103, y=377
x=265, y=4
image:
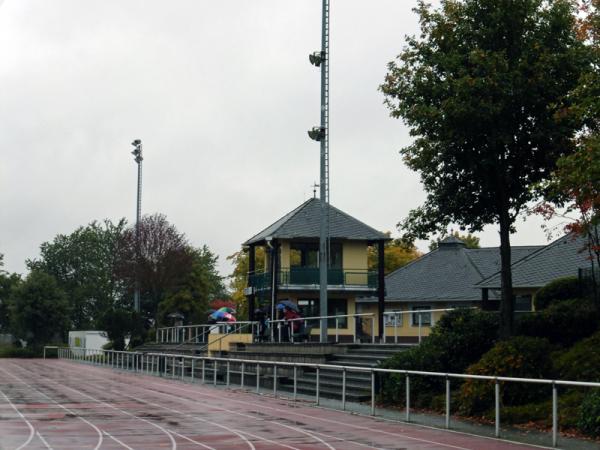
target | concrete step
x=351, y=377
x=307, y=388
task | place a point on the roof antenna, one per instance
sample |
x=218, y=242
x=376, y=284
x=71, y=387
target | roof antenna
x=315, y=186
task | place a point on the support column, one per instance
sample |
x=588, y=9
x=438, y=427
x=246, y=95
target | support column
x=485, y=299
x=381, y=288
x=251, y=272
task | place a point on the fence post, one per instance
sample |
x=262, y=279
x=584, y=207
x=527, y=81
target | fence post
x=203, y=370
x=257, y=378
x=372, y=392
x=275, y=380
x=554, y=414
x=295, y=382
x=447, y=402
x=317, y=386
x=242, y=375
x=420, y=324
x=215, y=367
x=227, y=380
x=497, y=407
x=344, y=389
x=407, y=398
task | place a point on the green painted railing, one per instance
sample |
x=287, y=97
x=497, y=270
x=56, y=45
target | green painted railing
x=306, y=276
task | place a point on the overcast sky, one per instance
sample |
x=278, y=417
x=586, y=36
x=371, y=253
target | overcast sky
x=221, y=94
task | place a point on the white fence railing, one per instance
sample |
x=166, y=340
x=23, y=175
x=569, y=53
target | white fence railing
x=194, y=368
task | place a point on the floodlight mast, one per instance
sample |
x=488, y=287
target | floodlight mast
x=321, y=59
x=137, y=152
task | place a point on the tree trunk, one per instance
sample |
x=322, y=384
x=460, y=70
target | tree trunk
x=506, y=303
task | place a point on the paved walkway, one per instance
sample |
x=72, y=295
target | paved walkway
x=58, y=404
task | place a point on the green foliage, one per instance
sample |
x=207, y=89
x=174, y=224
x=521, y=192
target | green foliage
x=121, y=323
x=589, y=415
x=39, y=310
x=397, y=253
x=83, y=264
x=470, y=240
x=191, y=298
x=238, y=280
x=12, y=351
x=488, y=122
x=563, y=323
x=521, y=357
x=7, y=283
x=560, y=289
x=581, y=362
x=458, y=339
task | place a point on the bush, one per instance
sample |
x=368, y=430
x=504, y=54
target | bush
x=589, y=415
x=564, y=322
x=457, y=340
x=581, y=362
x=559, y=289
x=520, y=357
x=11, y=351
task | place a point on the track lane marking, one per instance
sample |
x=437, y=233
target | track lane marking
x=31, y=428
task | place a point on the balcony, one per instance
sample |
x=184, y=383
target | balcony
x=307, y=278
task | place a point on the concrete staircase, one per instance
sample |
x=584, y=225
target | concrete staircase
x=358, y=383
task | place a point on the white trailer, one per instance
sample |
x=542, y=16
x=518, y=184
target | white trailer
x=84, y=342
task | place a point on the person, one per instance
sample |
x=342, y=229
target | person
x=260, y=316
x=290, y=315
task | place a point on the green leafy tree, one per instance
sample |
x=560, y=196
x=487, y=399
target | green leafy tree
x=8, y=281
x=238, y=280
x=39, y=310
x=192, y=297
x=83, y=264
x=485, y=90
x=397, y=253
x=120, y=324
x=470, y=240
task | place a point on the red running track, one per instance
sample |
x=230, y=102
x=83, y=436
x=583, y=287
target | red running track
x=58, y=404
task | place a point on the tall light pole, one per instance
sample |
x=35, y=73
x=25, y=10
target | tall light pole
x=321, y=134
x=137, y=153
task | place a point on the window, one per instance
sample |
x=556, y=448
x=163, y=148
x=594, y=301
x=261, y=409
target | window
x=426, y=318
x=308, y=307
x=523, y=303
x=337, y=307
x=393, y=320
x=304, y=254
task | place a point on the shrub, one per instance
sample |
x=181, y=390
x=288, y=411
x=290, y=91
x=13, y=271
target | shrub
x=521, y=357
x=11, y=351
x=457, y=340
x=564, y=322
x=559, y=289
x=589, y=415
x=581, y=362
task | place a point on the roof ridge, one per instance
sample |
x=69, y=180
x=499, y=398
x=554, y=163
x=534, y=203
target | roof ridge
x=410, y=263
x=287, y=216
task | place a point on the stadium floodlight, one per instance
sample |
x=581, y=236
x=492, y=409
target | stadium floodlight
x=316, y=58
x=137, y=152
x=317, y=133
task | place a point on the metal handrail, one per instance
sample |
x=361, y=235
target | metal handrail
x=279, y=322
x=244, y=324
x=146, y=363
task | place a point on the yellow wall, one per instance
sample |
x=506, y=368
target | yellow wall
x=354, y=255
x=218, y=342
x=285, y=255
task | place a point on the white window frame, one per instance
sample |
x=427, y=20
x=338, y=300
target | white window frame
x=394, y=320
x=414, y=310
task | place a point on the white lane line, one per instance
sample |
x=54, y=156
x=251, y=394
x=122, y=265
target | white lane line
x=117, y=440
x=62, y=384
x=360, y=427
x=43, y=441
x=100, y=437
x=236, y=432
x=191, y=440
x=253, y=417
x=31, y=428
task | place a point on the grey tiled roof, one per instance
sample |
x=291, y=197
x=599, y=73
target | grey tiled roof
x=303, y=222
x=448, y=273
x=558, y=259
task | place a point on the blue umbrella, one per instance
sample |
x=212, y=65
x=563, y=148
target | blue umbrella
x=288, y=304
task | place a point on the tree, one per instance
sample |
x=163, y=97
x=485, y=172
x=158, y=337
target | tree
x=163, y=262
x=486, y=91
x=7, y=283
x=192, y=297
x=83, y=264
x=238, y=280
x=39, y=310
x=470, y=240
x=398, y=253
x=119, y=323
x=172, y=274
